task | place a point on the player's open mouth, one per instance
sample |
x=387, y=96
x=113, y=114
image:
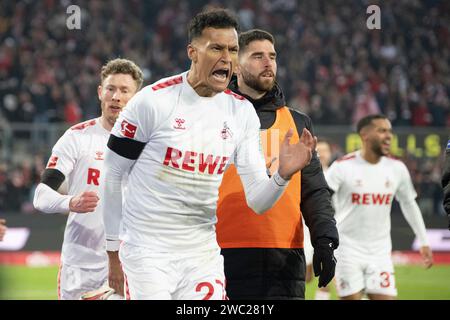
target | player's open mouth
x=386, y=144
x=115, y=108
x=221, y=74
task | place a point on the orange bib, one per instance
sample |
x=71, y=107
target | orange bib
x=239, y=226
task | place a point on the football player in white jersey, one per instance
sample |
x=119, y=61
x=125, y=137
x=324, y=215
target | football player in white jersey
x=365, y=183
x=177, y=136
x=78, y=158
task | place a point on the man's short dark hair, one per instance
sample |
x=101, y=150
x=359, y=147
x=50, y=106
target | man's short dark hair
x=245, y=38
x=367, y=121
x=213, y=18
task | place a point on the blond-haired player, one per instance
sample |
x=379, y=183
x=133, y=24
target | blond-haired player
x=78, y=157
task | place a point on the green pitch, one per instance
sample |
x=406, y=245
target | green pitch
x=28, y=283
x=413, y=282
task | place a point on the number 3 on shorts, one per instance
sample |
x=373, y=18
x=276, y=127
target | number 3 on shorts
x=385, y=279
x=208, y=289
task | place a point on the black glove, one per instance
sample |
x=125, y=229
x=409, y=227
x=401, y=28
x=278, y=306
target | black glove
x=324, y=262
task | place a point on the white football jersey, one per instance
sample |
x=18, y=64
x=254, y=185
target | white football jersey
x=363, y=198
x=79, y=155
x=173, y=185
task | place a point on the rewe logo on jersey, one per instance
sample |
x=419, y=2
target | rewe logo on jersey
x=195, y=162
x=93, y=176
x=371, y=198
x=128, y=130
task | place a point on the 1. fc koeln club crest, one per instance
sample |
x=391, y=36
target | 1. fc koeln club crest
x=226, y=132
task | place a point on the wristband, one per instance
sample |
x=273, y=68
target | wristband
x=112, y=245
x=279, y=180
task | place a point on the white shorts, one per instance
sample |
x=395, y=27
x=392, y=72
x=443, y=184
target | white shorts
x=75, y=281
x=358, y=272
x=307, y=246
x=172, y=276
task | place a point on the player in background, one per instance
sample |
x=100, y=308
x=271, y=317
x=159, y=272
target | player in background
x=325, y=156
x=2, y=229
x=78, y=157
x=178, y=135
x=263, y=255
x=446, y=182
x=365, y=184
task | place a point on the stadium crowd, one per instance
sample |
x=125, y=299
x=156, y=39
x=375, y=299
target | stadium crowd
x=332, y=67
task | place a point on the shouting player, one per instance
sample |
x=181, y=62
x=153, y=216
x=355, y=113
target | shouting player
x=78, y=156
x=178, y=135
x=365, y=184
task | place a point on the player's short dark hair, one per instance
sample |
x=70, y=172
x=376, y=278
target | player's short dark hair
x=211, y=18
x=247, y=37
x=124, y=66
x=367, y=121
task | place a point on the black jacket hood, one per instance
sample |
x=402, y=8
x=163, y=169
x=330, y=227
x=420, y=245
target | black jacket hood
x=271, y=101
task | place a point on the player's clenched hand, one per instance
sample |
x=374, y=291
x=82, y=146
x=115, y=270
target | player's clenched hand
x=2, y=228
x=294, y=157
x=84, y=202
x=427, y=256
x=324, y=262
x=115, y=277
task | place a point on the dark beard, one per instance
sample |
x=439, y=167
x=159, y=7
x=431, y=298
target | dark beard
x=254, y=83
x=378, y=150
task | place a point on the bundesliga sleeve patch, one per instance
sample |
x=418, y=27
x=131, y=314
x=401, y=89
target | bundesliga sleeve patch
x=448, y=145
x=128, y=130
x=52, y=162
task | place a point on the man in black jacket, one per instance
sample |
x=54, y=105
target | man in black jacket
x=446, y=182
x=264, y=257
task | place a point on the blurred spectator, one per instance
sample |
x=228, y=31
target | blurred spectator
x=17, y=185
x=329, y=61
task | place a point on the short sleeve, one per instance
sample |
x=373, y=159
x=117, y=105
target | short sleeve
x=137, y=120
x=405, y=191
x=64, y=153
x=333, y=176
